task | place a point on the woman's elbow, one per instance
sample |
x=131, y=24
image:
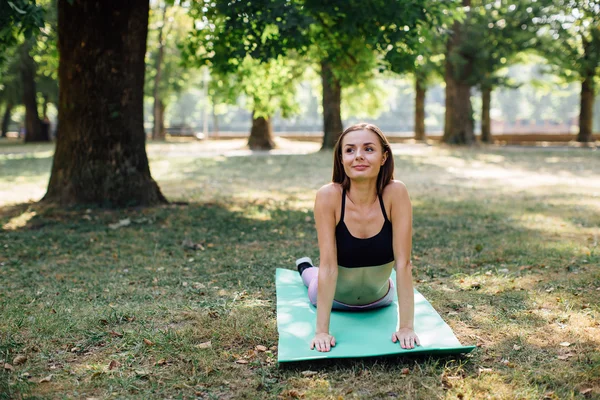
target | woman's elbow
x=403, y=266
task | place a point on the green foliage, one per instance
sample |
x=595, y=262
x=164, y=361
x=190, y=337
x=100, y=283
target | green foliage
x=175, y=78
x=494, y=34
x=18, y=18
x=571, y=33
x=353, y=37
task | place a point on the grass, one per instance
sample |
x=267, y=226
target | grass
x=505, y=248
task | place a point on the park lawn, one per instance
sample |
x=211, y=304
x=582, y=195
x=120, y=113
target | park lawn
x=179, y=300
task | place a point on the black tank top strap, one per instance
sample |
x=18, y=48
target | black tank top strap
x=343, y=204
x=382, y=207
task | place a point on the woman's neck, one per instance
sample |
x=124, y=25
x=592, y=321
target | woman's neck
x=363, y=193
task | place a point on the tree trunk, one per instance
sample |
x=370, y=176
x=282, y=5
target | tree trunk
x=419, y=109
x=586, y=112
x=458, y=128
x=100, y=156
x=332, y=100
x=261, y=134
x=33, y=126
x=158, y=131
x=486, y=130
x=215, y=123
x=6, y=118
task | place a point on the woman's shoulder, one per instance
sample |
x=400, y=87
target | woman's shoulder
x=395, y=188
x=330, y=189
x=330, y=193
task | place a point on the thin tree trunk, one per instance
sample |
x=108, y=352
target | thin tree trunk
x=332, y=100
x=458, y=128
x=6, y=118
x=33, y=127
x=158, y=132
x=261, y=134
x=419, y=109
x=586, y=113
x=159, y=120
x=486, y=130
x=100, y=156
x=215, y=123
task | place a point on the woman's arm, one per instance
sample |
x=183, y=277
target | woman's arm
x=325, y=206
x=401, y=217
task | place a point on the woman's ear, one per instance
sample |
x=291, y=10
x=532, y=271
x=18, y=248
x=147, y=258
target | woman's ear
x=385, y=156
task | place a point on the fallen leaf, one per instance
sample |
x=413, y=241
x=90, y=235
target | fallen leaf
x=550, y=290
x=120, y=224
x=75, y=349
x=564, y=356
x=161, y=362
x=18, y=360
x=405, y=371
x=260, y=347
x=115, y=334
x=516, y=347
x=46, y=379
x=240, y=361
x=148, y=342
x=205, y=345
x=585, y=391
x=565, y=344
x=8, y=367
x=309, y=373
x=113, y=364
x=291, y=394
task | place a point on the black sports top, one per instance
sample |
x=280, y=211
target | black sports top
x=354, y=252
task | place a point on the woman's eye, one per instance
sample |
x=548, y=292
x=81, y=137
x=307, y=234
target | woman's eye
x=369, y=149
x=349, y=150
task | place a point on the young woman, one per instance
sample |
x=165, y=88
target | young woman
x=364, y=228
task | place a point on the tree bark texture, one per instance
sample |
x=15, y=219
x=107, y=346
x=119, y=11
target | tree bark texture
x=486, y=123
x=6, y=118
x=261, y=134
x=158, y=131
x=100, y=155
x=419, y=109
x=586, y=113
x=33, y=127
x=458, y=128
x=332, y=100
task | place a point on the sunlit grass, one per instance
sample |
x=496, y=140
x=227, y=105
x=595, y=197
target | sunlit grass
x=505, y=248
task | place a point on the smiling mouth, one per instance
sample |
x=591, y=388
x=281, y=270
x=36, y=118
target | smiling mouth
x=360, y=166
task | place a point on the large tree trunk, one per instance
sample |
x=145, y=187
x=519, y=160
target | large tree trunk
x=458, y=128
x=100, y=156
x=486, y=130
x=261, y=134
x=586, y=113
x=158, y=131
x=332, y=100
x=6, y=118
x=419, y=109
x=33, y=126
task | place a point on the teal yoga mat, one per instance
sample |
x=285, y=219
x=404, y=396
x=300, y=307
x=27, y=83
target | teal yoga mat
x=357, y=334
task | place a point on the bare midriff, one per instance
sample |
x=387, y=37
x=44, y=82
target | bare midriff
x=362, y=285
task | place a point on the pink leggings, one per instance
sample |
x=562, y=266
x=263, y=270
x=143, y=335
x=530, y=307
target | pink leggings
x=310, y=277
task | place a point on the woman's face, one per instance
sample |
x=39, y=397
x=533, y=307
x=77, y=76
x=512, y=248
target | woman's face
x=362, y=154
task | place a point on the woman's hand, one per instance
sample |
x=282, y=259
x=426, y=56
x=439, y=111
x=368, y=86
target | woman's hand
x=407, y=337
x=323, y=342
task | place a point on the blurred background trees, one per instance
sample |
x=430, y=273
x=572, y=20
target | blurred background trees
x=464, y=68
